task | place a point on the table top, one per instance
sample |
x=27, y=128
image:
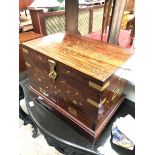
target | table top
x=25, y=36
x=93, y=58
x=58, y=129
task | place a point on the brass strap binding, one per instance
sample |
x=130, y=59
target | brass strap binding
x=52, y=73
x=97, y=87
x=94, y=103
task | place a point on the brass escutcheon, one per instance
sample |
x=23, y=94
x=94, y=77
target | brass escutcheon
x=52, y=73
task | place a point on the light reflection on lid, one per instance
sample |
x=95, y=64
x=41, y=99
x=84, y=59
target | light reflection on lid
x=54, y=38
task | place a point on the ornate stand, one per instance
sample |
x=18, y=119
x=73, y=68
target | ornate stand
x=63, y=137
x=25, y=117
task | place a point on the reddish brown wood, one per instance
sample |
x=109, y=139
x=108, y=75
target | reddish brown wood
x=130, y=4
x=71, y=16
x=90, y=20
x=117, y=14
x=105, y=16
x=23, y=4
x=38, y=20
x=85, y=91
x=54, y=13
x=26, y=36
x=22, y=38
x=38, y=17
x=91, y=134
x=98, y=59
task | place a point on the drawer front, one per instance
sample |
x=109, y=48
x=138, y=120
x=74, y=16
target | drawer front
x=67, y=107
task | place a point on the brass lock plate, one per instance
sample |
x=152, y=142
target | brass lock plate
x=52, y=73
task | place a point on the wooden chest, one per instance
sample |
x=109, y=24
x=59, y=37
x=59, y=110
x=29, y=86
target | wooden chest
x=75, y=76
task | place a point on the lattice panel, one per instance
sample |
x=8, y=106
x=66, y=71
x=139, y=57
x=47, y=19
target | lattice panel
x=83, y=22
x=55, y=24
x=97, y=19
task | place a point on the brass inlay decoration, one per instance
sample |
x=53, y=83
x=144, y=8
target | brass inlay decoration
x=96, y=86
x=115, y=94
x=42, y=90
x=27, y=64
x=52, y=73
x=74, y=101
x=25, y=50
x=94, y=103
x=39, y=79
x=67, y=72
x=72, y=111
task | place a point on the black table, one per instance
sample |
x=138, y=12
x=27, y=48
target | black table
x=65, y=138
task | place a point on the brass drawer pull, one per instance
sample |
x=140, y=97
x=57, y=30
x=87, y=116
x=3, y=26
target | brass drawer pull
x=116, y=94
x=52, y=73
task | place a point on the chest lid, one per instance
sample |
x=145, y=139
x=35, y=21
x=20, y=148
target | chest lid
x=94, y=58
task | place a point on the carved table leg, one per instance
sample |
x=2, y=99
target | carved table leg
x=25, y=117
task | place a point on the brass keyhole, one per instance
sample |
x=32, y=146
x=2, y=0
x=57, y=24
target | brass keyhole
x=52, y=74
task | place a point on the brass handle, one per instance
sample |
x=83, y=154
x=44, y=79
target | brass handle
x=115, y=94
x=52, y=73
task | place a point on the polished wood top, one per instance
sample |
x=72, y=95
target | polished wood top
x=94, y=58
x=25, y=36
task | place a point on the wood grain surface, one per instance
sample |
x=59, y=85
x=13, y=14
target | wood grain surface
x=22, y=38
x=26, y=36
x=91, y=57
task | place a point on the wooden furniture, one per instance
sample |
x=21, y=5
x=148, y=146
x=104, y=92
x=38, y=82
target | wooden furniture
x=22, y=38
x=23, y=4
x=66, y=139
x=52, y=22
x=86, y=20
x=75, y=76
